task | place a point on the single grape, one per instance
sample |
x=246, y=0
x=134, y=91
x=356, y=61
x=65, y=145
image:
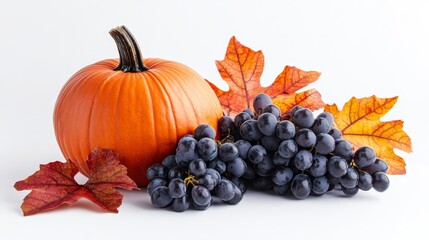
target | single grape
x=319, y=166
x=265, y=168
x=157, y=182
x=169, y=161
x=279, y=160
x=282, y=175
x=236, y=167
x=243, y=147
x=260, y=102
x=160, y=197
x=303, y=160
x=156, y=171
x=271, y=143
x=267, y=123
x=364, y=157
x=288, y=148
x=365, y=181
x=181, y=204
x=207, y=181
x=378, y=166
x=320, y=125
x=238, y=196
x=303, y=118
x=337, y=166
x=207, y=148
x=204, y=130
x=325, y=143
x=256, y=154
x=301, y=186
x=343, y=149
x=282, y=189
x=294, y=109
x=350, y=179
x=241, y=118
x=273, y=109
x=335, y=133
x=380, y=181
x=201, y=195
x=197, y=167
x=328, y=116
x=228, y=152
x=177, y=188
x=186, y=151
x=263, y=183
x=226, y=125
x=249, y=130
x=225, y=190
x=305, y=138
x=218, y=165
x=177, y=172
x=350, y=191
x=285, y=130
x=320, y=185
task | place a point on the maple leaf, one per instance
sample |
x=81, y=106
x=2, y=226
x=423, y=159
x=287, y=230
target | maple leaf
x=54, y=184
x=242, y=69
x=359, y=121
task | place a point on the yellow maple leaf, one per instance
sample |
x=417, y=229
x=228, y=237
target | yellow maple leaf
x=359, y=122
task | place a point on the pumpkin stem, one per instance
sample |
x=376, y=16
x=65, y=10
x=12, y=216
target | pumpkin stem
x=130, y=59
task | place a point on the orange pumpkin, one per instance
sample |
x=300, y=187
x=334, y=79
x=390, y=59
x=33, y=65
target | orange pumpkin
x=139, y=109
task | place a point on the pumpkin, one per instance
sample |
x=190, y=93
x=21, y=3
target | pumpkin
x=137, y=107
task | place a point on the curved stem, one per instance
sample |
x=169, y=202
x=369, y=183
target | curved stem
x=130, y=59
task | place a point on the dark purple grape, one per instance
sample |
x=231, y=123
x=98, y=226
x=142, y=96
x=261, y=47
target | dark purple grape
x=204, y=130
x=279, y=160
x=337, y=166
x=305, y=138
x=169, y=161
x=181, y=204
x=197, y=167
x=343, y=149
x=160, y=197
x=267, y=124
x=236, y=167
x=157, y=182
x=285, y=130
x=243, y=147
x=380, y=181
x=320, y=185
x=301, y=186
x=364, y=157
x=288, y=148
x=335, y=133
x=249, y=130
x=177, y=188
x=303, y=159
x=282, y=175
x=325, y=143
x=320, y=125
x=282, y=189
x=303, y=118
x=260, y=102
x=156, y=171
x=350, y=191
x=201, y=195
x=218, y=165
x=226, y=125
x=207, y=148
x=238, y=196
x=228, y=152
x=365, y=181
x=265, y=168
x=319, y=165
x=256, y=154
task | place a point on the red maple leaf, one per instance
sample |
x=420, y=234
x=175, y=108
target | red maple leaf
x=54, y=184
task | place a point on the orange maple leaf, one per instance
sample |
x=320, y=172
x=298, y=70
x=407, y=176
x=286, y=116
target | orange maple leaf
x=242, y=69
x=359, y=121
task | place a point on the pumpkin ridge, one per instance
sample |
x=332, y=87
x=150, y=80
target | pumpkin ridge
x=164, y=90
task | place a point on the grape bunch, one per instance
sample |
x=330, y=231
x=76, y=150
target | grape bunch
x=297, y=153
x=194, y=176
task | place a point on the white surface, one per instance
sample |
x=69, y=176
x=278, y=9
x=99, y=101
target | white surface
x=361, y=47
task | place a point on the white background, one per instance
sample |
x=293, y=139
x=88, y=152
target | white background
x=361, y=47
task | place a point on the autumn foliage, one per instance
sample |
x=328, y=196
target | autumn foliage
x=242, y=69
x=54, y=184
x=359, y=120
